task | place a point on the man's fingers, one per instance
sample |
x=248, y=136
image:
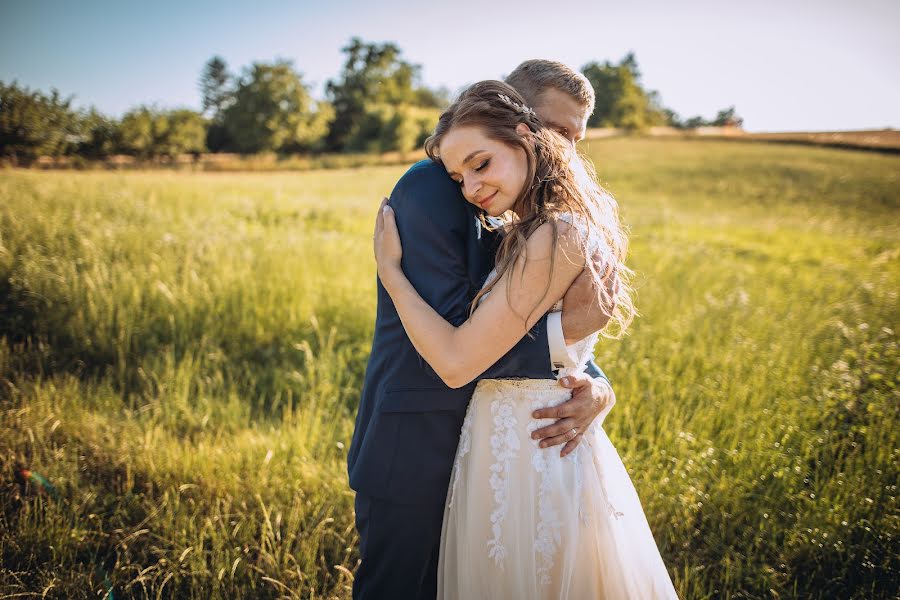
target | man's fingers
x=566, y=409
x=597, y=258
x=580, y=383
x=572, y=407
x=561, y=427
x=571, y=445
x=557, y=440
x=575, y=381
x=612, y=284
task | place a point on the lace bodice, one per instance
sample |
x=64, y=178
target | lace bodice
x=580, y=352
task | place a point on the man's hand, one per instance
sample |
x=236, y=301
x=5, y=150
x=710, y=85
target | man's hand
x=590, y=398
x=586, y=308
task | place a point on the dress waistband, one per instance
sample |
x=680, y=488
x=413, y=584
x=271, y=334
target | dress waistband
x=529, y=384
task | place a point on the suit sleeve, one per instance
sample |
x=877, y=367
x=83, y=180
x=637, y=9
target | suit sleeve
x=594, y=371
x=435, y=227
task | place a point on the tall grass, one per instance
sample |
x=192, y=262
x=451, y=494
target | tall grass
x=181, y=356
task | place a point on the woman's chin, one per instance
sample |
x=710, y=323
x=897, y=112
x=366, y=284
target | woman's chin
x=494, y=209
x=498, y=212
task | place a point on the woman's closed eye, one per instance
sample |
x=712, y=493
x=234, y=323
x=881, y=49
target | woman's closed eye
x=481, y=166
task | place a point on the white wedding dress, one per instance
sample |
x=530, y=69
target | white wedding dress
x=522, y=523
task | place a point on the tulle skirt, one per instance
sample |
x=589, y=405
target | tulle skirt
x=522, y=523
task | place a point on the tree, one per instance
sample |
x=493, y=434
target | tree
x=147, y=132
x=386, y=127
x=136, y=132
x=273, y=111
x=429, y=98
x=672, y=118
x=215, y=87
x=33, y=124
x=373, y=98
x=695, y=122
x=181, y=131
x=724, y=118
x=728, y=118
x=98, y=135
x=621, y=101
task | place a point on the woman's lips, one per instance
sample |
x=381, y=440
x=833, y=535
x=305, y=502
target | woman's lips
x=486, y=201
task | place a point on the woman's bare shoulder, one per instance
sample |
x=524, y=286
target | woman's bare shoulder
x=569, y=239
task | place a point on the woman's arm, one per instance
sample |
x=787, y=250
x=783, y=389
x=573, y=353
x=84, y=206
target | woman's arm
x=459, y=354
x=438, y=230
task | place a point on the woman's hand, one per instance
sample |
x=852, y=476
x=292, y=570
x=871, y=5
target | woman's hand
x=388, y=249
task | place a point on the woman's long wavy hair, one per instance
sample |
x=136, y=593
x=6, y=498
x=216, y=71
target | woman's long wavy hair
x=558, y=182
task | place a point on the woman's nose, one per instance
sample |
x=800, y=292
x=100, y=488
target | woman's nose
x=473, y=184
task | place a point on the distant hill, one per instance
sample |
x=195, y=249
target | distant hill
x=884, y=140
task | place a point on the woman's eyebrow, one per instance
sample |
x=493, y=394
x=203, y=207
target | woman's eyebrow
x=465, y=160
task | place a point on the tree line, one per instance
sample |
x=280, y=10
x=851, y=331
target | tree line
x=622, y=102
x=376, y=104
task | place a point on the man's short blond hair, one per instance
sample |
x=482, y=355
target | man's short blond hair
x=533, y=77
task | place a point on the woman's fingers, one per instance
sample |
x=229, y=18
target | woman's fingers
x=390, y=225
x=381, y=206
x=379, y=227
x=386, y=238
x=379, y=217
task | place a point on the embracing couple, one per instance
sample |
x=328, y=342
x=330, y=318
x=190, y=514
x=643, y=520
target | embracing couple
x=480, y=466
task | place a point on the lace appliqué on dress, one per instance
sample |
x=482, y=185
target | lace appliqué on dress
x=547, y=538
x=504, y=446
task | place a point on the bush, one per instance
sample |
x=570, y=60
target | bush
x=150, y=133
x=33, y=124
x=385, y=128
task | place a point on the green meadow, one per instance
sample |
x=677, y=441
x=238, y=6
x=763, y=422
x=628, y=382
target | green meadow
x=181, y=356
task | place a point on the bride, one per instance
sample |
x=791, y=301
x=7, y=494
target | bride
x=519, y=521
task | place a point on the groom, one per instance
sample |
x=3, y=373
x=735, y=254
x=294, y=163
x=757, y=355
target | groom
x=409, y=422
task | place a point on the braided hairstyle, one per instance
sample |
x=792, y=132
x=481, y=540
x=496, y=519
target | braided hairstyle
x=558, y=182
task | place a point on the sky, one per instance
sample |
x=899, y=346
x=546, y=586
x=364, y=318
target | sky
x=786, y=65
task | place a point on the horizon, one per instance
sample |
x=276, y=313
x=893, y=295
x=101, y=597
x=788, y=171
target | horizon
x=785, y=67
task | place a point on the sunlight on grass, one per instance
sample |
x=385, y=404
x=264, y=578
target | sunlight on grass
x=182, y=354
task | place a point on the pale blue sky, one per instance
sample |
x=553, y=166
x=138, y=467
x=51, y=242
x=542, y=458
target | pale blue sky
x=785, y=65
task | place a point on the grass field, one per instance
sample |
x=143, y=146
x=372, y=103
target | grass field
x=181, y=357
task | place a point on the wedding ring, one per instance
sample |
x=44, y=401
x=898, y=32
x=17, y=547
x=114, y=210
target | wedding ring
x=574, y=432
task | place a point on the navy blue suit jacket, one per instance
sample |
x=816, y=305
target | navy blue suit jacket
x=409, y=421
